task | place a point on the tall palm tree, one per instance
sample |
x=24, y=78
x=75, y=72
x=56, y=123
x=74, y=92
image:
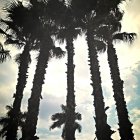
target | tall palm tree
x=125, y=126
x=4, y=54
x=68, y=31
x=91, y=18
x=21, y=37
x=109, y=32
x=6, y=121
x=103, y=130
x=60, y=119
x=45, y=52
x=97, y=17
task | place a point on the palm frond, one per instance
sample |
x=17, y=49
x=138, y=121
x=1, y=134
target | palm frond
x=9, y=107
x=3, y=131
x=10, y=26
x=3, y=120
x=11, y=41
x=127, y=37
x=2, y=32
x=64, y=108
x=77, y=126
x=78, y=116
x=57, y=124
x=58, y=116
x=57, y=52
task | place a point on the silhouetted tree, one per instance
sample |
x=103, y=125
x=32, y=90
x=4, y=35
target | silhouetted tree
x=5, y=122
x=69, y=31
x=46, y=28
x=109, y=32
x=61, y=118
x=18, y=34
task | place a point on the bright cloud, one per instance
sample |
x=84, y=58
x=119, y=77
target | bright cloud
x=54, y=89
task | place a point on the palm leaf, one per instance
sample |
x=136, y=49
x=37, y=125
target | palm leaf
x=11, y=41
x=57, y=52
x=57, y=116
x=3, y=131
x=78, y=116
x=77, y=126
x=61, y=119
x=58, y=124
x=2, y=32
x=64, y=108
x=3, y=120
x=127, y=37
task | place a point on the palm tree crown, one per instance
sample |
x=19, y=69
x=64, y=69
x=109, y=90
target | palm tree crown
x=60, y=119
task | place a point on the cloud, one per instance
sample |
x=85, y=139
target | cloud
x=54, y=90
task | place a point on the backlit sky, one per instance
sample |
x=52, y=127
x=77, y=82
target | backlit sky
x=54, y=90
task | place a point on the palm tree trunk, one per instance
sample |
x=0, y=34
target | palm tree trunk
x=125, y=125
x=70, y=101
x=21, y=83
x=103, y=131
x=29, y=129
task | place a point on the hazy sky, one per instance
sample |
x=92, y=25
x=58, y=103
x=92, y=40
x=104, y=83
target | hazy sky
x=54, y=89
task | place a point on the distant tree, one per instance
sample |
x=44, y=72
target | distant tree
x=60, y=119
x=6, y=121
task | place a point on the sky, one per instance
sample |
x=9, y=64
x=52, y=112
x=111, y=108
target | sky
x=54, y=90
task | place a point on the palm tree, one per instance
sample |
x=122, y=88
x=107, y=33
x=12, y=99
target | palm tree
x=45, y=30
x=103, y=130
x=125, y=125
x=60, y=119
x=93, y=21
x=5, y=122
x=4, y=54
x=69, y=35
x=109, y=33
x=91, y=18
x=68, y=31
x=21, y=38
x=34, y=101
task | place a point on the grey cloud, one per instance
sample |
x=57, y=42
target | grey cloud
x=50, y=105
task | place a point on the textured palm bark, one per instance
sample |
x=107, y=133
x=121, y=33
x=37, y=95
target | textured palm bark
x=29, y=130
x=70, y=100
x=103, y=130
x=21, y=83
x=125, y=130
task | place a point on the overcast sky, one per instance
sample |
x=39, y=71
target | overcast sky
x=54, y=90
